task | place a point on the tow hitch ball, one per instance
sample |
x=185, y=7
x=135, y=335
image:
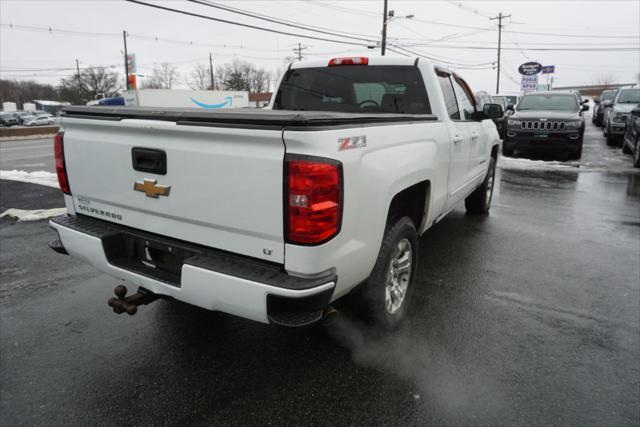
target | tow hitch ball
x=129, y=304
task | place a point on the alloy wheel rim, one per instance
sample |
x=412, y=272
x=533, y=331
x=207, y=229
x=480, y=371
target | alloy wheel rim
x=398, y=277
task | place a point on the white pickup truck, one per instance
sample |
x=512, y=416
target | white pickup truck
x=272, y=214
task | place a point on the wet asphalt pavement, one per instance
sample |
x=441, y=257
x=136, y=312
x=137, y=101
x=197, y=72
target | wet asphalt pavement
x=528, y=316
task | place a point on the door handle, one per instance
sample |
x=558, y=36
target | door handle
x=457, y=139
x=474, y=135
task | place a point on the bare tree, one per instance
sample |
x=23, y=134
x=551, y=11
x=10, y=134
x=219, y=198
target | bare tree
x=241, y=75
x=164, y=76
x=199, y=78
x=94, y=81
x=605, y=79
x=21, y=91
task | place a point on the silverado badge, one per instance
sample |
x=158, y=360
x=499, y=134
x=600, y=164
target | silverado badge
x=151, y=189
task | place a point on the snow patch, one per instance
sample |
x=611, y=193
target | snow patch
x=27, y=137
x=33, y=214
x=39, y=177
x=510, y=163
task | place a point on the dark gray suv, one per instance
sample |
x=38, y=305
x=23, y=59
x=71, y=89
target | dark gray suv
x=544, y=121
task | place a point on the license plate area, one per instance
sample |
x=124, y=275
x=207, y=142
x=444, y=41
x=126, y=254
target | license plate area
x=541, y=135
x=155, y=258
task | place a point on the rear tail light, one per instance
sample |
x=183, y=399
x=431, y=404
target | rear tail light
x=313, y=199
x=358, y=60
x=61, y=167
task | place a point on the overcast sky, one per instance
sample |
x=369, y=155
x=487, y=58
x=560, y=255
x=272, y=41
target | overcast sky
x=444, y=30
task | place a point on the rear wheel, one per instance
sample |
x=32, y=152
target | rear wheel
x=389, y=289
x=479, y=201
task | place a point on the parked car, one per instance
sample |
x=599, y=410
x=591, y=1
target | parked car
x=272, y=214
x=22, y=116
x=579, y=97
x=546, y=121
x=38, y=121
x=630, y=143
x=8, y=119
x=483, y=98
x=615, y=118
x=599, y=108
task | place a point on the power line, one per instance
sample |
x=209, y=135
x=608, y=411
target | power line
x=225, y=21
x=346, y=9
x=52, y=30
x=593, y=36
x=279, y=21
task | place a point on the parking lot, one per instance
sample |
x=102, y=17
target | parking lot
x=528, y=316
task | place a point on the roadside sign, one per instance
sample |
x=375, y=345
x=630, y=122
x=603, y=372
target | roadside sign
x=131, y=63
x=548, y=69
x=529, y=83
x=530, y=68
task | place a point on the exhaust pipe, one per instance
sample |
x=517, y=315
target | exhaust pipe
x=129, y=304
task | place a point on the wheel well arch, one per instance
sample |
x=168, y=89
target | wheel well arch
x=494, y=151
x=413, y=202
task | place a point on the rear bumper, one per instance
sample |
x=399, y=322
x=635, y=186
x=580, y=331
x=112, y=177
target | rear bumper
x=207, y=278
x=617, y=128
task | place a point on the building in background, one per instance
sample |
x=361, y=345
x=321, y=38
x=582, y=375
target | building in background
x=259, y=99
x=51, y=107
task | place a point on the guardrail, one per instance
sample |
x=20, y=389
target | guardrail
x=28, y=131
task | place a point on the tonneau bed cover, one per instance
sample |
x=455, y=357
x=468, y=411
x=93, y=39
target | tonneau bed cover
x=255, y=117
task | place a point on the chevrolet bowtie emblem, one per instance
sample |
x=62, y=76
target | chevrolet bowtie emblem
x=151, y=189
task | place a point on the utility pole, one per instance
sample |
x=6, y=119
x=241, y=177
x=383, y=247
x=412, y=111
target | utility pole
x=500, y=17
x=126, y=62
x=383, y=45
x=211, y=69
x=78, y=70
x=298, y=50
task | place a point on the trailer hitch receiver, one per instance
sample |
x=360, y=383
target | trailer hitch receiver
x=129, y=304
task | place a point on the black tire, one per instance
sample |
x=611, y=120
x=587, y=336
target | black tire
x=611, y=140
x=625, y=147
x=636, y=155
x=479, y=202
x=377, y=291
x=577, y=153
x=508, y=152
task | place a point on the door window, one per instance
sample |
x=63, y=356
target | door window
x=466, y=105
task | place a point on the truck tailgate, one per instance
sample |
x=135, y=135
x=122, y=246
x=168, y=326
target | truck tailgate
x=222, y=187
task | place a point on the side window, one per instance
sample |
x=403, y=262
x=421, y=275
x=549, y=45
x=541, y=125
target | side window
x=466, y=105
x=449, y=96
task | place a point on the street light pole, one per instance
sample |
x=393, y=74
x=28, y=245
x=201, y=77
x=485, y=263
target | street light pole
x=384, y=29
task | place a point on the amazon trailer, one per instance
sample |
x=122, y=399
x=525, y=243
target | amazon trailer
x=205, y=99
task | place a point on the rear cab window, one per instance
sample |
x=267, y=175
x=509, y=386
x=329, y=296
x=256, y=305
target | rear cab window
x=354, y=89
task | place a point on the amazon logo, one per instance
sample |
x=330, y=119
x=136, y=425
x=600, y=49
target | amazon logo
x=228, y=101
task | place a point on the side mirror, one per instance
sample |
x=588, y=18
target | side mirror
x=636, y=111
x=510, y=107
x=596, y=101
x=492, y=111
x=584, y=107
x=584, y=101
x=607, y=103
